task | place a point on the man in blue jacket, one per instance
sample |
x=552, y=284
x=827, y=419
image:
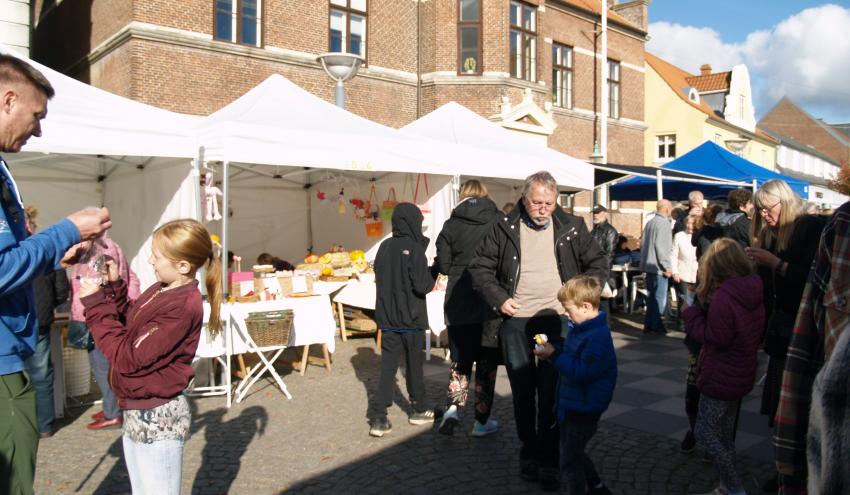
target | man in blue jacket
x=24, y=92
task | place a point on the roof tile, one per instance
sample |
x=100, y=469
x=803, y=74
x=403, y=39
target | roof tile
x=718, y=81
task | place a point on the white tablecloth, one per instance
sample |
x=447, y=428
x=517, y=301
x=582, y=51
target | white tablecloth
x=362, y=295
x=313, y=323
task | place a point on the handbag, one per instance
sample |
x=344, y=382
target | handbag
x=389, y=205
x=79, y=336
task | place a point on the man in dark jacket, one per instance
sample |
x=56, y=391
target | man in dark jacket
x=403, y=279
x=51, y=290
x=606, y=235
x=735, y=221
x=518, y=273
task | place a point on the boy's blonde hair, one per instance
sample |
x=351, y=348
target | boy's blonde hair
x=581, y=289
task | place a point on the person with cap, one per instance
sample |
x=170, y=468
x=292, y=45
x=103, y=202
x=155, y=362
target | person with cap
x=606, y=235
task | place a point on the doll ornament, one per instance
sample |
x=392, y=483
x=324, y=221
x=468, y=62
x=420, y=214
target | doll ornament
x=211, y=195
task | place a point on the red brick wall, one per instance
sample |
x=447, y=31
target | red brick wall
x=789, y=120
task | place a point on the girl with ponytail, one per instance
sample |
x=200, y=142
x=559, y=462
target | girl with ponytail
x=150, y=344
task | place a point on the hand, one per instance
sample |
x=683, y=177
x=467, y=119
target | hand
x=667, y=274
x=677, y=278
x=112, y=270
x=72, y=255
x=509, y=307
x=90, y=223
x=544, y=351
x=762, y=257
x=88, y=287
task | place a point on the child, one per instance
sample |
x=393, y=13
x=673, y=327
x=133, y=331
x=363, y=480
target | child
x=403, y=279
x=728, y=321
x=587, y=363
x=150, y=344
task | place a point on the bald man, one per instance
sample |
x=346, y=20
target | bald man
x=656, y=249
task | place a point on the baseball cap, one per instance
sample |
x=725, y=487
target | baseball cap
x=599, y=208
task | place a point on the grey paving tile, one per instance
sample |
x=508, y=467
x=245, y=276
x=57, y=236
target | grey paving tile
x=643, y=368
x=636, y=397
x=651, y=421
x=658, y=386
x=674, y=406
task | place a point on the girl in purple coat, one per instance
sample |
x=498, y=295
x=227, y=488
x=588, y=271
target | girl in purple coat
x=728, y=321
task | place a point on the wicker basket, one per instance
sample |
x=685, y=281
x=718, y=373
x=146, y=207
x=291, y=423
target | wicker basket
x=269, y=328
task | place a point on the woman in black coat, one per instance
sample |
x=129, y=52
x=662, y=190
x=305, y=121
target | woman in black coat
x=786, y=240
x=472, y=325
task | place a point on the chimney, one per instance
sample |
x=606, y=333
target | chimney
x=635, y=11
x=705, y=69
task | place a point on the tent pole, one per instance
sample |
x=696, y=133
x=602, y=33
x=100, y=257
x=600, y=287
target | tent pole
x=658, y=187
x=225, y=222
x=755, y=185
x=196, y=186
x=455, y=190
x=309, y=194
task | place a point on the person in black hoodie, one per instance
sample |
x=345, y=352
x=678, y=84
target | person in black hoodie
x=403, y=279
x=735, y=221
x=473, y=327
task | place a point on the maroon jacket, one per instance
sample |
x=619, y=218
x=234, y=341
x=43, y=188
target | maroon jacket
x=730, y=334
x=150, y=343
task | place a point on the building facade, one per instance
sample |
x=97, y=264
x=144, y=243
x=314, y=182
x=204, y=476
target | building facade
x=15, y=25
x=532, y=65
x=684, y=110
x=787, y=119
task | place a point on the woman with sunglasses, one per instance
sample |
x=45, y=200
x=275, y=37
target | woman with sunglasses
x=785, y=239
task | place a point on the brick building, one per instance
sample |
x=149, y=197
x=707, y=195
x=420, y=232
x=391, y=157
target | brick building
x=531, y=65
x=787, y=119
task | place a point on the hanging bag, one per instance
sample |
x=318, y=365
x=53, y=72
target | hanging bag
x=374, y=224
x=424, y=207
x=389, y=205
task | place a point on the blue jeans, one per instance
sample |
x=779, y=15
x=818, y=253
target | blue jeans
x=40, y=369
x=576, y=466
x=100, y=369
x=154, y=467
x=656, y=303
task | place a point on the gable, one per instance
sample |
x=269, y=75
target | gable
x=526, y=117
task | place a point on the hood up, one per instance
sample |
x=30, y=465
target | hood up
x=407, y=222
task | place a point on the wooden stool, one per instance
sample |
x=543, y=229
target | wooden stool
x=306, y=357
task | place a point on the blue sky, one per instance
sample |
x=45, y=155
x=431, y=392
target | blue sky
x=782, y=42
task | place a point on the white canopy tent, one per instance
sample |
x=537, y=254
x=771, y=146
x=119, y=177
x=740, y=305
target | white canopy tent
x=498, y=149
x=98, y=148
x=277, y=126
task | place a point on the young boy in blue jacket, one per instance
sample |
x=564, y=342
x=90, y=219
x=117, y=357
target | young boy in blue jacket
x=587, y=364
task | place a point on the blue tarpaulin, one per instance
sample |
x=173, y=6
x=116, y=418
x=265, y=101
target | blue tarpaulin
x=710, y=160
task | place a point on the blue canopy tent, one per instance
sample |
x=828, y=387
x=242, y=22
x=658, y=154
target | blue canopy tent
x=707, y=159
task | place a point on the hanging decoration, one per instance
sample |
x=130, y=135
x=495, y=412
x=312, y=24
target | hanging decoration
x=341, y=202
x=211, y=198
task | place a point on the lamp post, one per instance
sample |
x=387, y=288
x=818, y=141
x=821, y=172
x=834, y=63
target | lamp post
x=340, y=67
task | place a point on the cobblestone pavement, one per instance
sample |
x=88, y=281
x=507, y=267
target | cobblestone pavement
x=318, y=442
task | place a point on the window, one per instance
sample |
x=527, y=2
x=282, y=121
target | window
x=469, y=36
x=523, y=41
x=562, y=75
x=348, y=26
x=666, y=146
x=613, y=89
x=239, y=21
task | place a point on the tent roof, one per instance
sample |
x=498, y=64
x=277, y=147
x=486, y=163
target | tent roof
x=85, y=120
x=499, y=149
x=278, y=123
x=710, y=160
x=611, y=171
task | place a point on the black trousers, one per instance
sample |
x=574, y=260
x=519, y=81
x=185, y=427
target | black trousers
x=533, y=385
x=412, y=346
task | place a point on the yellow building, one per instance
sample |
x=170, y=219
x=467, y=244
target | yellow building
x=684, y=110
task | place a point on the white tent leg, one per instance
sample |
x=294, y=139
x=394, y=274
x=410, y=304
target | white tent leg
x=658, y=186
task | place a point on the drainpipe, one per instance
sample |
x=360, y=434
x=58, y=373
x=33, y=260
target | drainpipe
x=604, y=62
x=418, y=58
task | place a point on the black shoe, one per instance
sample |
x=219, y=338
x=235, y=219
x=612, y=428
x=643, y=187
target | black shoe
x=528, y=470
x=549, y=481
x=380, y=427
x=688, y=443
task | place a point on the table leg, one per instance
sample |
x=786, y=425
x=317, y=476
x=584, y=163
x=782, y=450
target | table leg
x=428, y=344
x=327, y=357
x=304, y=354
x=342, y=331
x=243, y=371
x=625, y=289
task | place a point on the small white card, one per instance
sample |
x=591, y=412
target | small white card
x=246, y=287
x=273, y=287
x=299, y=284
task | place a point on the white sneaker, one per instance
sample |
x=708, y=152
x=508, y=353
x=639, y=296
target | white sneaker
x=451, y=419
x=482, y=430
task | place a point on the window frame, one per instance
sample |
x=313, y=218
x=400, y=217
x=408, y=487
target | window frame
x=479, y=69
x=665, y=140
x=612, y=83
x=523, y=34
x=567, y=69
x=235, y=16
x=348, y=11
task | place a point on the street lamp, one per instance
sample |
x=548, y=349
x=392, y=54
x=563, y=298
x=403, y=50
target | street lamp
x=340, y=67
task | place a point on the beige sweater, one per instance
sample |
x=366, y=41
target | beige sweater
x=539, y=281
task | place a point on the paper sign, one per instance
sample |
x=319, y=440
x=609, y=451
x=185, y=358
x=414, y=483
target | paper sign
x=273, y=288
x=299, y=284
x=246, y=287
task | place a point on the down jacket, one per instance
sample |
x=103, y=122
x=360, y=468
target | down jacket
x=496, y=265
x=730, y=333
x=150, y=343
